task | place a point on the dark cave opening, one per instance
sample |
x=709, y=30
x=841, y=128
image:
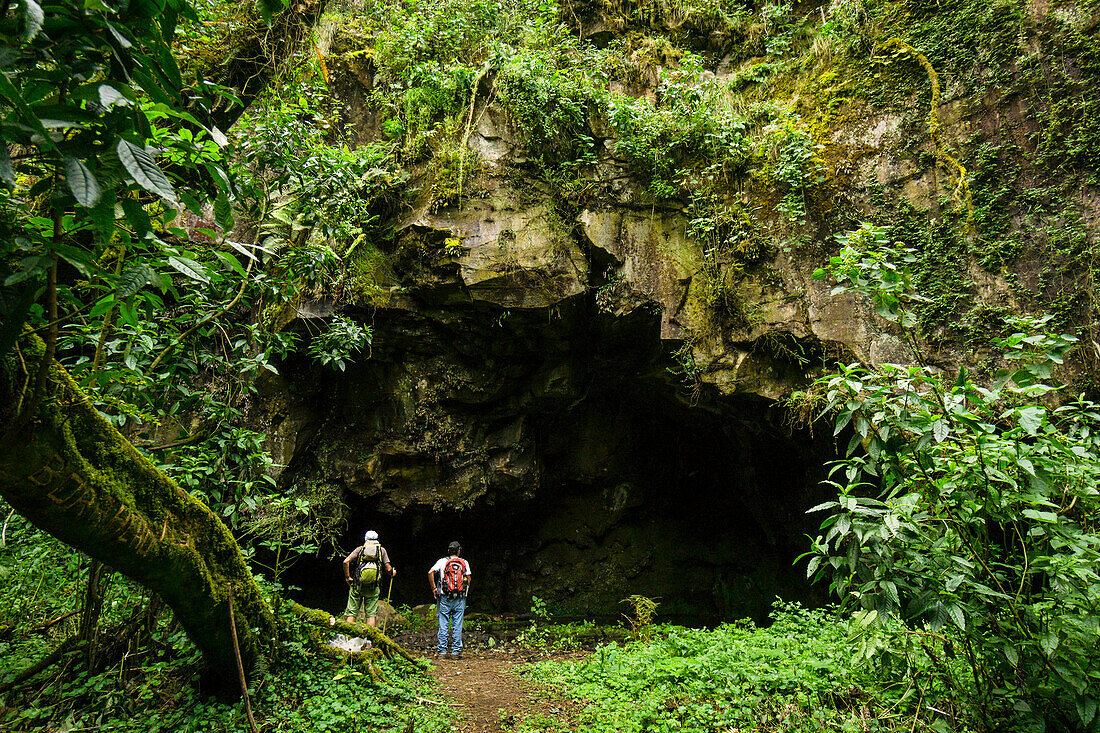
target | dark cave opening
x=612, y=480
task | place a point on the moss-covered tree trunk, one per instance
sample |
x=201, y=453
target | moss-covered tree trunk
x=72, y=474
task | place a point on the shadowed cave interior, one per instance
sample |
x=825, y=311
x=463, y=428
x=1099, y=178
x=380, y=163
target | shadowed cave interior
x=618, y=483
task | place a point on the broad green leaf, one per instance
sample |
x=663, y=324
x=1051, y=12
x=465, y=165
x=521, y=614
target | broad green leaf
x=193, y=204
x=126, y=315
x=81, y=259
x=217, y=136
x=111, y=97
x=169, y=67
x=1086, y=709
x=940, y=429
x=149, y=71
x=1048, y=641
x=106, y=303
x=232, y=261
x=842, y=421
x=81, y=182
x=53, y=123
x=133, y=279
x=145, y=171
x=9, y=92
x=145, y=8
x=168, y=20
x=866, y=618
x=1031, y=418
x=245, y=250
x=29, y=267
x=223, y=212
x=102, y=215
x=957, y=616
x=137, y=217
x=122, y=40
x=151, y=85
x=190, y=268
x=219, y=176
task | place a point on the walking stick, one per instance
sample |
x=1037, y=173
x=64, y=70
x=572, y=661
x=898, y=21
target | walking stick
x=389, y=595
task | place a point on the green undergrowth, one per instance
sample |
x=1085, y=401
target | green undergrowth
x=151, y=682
x=809, y=670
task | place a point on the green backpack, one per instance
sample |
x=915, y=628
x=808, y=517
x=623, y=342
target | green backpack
x=370, y=563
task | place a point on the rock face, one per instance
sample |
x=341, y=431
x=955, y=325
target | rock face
x=569, y=462
x=589, y=400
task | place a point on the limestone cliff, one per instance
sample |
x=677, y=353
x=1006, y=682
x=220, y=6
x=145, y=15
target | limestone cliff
x=599, y=292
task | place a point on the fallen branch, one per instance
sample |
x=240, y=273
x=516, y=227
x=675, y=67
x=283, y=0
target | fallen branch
x=52, y=622
x=68, y=646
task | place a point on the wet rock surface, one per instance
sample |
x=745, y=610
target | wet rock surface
x=583, y=392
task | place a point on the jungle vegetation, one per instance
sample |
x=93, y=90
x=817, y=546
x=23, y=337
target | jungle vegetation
x=178, y=178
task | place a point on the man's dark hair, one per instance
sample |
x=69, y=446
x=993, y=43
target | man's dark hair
x=454, y=547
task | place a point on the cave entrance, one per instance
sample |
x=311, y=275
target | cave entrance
x=702, y=509
x=592, y=473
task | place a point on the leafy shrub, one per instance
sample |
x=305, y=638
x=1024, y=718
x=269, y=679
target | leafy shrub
x=795, y=675
x=694, y=127
x=981, y=536
x=553, y=99
x=336, y=346
x=289, y=158
x=797, y=168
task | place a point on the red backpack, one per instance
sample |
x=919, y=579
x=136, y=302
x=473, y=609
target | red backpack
x=454, y=577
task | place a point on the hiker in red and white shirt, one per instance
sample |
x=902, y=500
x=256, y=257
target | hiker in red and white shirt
x=450, y=581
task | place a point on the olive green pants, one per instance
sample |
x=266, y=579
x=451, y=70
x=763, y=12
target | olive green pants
x=362, y=601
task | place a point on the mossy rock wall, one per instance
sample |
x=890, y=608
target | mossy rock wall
x=616, y=294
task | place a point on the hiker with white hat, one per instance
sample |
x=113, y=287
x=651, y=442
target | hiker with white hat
x=365, y=582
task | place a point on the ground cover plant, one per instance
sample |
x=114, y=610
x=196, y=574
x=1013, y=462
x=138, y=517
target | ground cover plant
x=160, y=258
x=798, y=673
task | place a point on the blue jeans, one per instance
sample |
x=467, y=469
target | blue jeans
x=450, y=611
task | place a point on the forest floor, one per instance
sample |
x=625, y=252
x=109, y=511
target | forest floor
x=489, y=696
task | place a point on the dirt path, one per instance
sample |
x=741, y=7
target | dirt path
x=489, y=697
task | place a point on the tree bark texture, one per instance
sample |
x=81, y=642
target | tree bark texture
x=254, y=52
x=72, y=474
x=98, y=581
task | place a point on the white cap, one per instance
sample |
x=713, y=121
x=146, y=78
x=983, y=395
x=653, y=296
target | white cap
x=371, y=535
